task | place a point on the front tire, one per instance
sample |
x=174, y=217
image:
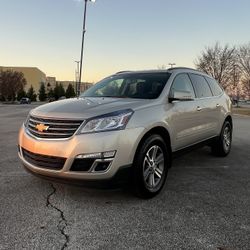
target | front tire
x=150, y=166
x=222, y=146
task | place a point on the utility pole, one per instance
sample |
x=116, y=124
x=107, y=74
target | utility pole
x=77, y=76
x=83, y=36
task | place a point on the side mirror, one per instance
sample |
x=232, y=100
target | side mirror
x=180, y=96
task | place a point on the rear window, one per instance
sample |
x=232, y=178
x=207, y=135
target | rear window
x=201, y=86
x=214, y=86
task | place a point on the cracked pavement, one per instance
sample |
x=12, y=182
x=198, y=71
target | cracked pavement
x=205, y=204
x=62, y=224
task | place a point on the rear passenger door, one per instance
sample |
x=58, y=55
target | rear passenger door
x=217, y=101
x=206, y=107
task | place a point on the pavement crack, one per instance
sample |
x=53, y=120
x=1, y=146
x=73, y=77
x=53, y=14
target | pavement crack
x=62, y=224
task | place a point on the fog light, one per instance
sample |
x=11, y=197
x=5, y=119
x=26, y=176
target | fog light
x=90, y=156
x=107, y=154
x=102, y=166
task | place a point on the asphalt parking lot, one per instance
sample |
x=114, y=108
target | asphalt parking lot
x=205, y=203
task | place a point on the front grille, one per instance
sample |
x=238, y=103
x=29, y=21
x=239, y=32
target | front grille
x=44, y=161
x=52, y=128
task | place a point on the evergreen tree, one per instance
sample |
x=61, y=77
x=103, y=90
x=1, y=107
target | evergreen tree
x=42, y=93
x=61, y=90
x=56, y=91
x=21, y=93
x=31, y=94
x=70, y=92
x=50, y=93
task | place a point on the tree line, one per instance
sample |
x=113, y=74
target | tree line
x=56, y=92
x=12, y=87
x=229, y=65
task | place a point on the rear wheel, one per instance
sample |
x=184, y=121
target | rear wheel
x=151, y=166
x=222, y=146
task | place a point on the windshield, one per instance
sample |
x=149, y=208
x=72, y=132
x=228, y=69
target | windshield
x=130, y=85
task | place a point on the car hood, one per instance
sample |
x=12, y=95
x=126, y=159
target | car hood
x=83, y=108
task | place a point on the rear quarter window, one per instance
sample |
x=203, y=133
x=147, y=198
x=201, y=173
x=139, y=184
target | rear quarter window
x=214, y=86
x=201, y=86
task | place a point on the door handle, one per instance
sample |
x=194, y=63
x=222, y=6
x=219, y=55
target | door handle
x=199, y=108
x=217, y=105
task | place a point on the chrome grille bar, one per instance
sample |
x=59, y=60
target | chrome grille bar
x=45, y=133
x=53, y=128
x=45, y=121
x=61, y=129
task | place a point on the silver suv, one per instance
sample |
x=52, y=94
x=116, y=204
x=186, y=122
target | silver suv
x=127, y=125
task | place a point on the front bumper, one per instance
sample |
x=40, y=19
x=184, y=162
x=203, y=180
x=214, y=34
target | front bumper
x=125, y=143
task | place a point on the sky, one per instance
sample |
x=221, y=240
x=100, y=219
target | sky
x=121, y=34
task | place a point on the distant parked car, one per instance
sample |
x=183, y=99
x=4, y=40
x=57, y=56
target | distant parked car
x=25, y=100
x=51, y=99
x=62, y=98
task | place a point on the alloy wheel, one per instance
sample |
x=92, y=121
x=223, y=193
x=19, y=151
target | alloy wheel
x=227, y=138
x=153, y=166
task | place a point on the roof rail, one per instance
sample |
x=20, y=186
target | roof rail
x=182, y=68
x=124, y=71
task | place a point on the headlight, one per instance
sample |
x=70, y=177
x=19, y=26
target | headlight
x=113, y=121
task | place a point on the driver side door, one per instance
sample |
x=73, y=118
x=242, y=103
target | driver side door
x=185, y=118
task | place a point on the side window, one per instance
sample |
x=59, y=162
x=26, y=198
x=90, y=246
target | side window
x=201, y=86
x=182, y=83
x=214, y=86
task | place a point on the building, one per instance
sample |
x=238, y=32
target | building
x=51, y=83
x=33, y=76
x=36, y=77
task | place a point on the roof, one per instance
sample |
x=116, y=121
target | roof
x=170, y=70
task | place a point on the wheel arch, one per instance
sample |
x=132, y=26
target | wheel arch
x=159, y=130
x=230, y=120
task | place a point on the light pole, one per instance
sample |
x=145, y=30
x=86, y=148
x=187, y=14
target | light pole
x=77, y=76
x=83, y=36
x=172, y=65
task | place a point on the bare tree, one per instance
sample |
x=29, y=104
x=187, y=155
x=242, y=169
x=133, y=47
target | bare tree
x=243, y=58
x=246, y=88
x=11, y=82
x=218, y=61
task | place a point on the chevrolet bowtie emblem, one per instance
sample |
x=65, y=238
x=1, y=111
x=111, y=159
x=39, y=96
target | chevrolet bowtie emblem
x=41, y=127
